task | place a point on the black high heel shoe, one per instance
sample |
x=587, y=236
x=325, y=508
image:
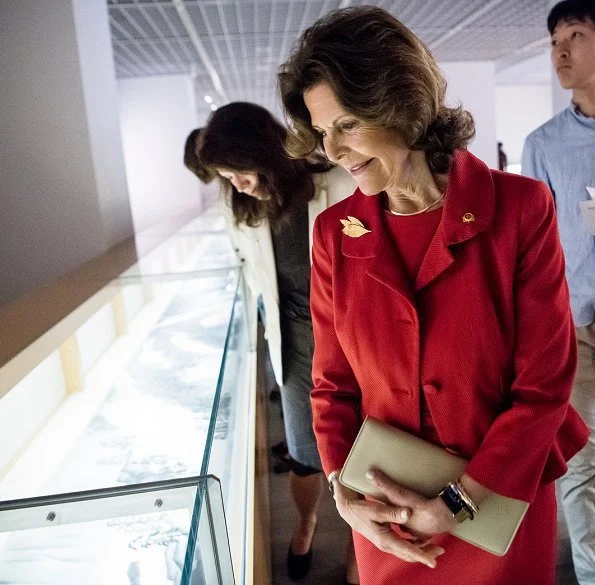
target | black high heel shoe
x=279, y=449
x=298, y=566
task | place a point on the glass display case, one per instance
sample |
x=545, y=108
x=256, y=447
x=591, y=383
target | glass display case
x=144, y=394
x=137, y=534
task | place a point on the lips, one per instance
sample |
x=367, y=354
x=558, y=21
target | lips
x=357, y=168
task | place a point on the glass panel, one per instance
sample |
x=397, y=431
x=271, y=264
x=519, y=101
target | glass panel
x=133, y=535
x=201, y=245
x=145, y=407
x=204, y=565
x=160, y=388
x=229, y=451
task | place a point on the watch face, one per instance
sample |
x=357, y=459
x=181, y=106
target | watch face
x=462, y=515
x=454, y=503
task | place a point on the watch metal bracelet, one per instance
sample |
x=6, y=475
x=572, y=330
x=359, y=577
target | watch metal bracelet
x=462, y=493
x=331, y=477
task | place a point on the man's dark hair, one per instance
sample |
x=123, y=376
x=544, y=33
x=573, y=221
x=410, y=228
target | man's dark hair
x=569, y=10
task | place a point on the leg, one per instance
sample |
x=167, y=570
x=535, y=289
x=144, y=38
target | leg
x=306, y=491
x=577, y=487
x=306, y=481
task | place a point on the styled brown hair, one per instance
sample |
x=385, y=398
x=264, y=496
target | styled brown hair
x=245, y=137
x=381, y=73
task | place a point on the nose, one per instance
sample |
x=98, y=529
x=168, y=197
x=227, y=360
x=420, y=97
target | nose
x=560, y=51
x=334, y=147
x=237, y=181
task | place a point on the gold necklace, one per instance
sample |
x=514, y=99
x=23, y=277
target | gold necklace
x=421, y=210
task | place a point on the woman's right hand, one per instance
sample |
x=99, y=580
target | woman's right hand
x=373, y=519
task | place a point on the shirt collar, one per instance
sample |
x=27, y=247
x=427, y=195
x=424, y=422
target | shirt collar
x=579, y=116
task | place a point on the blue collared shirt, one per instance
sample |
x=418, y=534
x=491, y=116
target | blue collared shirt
x=562, y=154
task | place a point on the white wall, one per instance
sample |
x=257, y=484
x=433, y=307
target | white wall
x=157, y=114
x=473, y=84
x=536, y=70
x=56, y=188
x=103, y=121
x=560, y=97
x=519, y=110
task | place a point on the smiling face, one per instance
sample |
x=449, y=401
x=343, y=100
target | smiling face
x=573, y=53
x=373, y=156
x=245, y=182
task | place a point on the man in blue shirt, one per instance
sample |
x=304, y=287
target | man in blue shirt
x=562, y=154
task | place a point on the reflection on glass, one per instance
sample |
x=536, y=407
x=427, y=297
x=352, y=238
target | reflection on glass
x=133, y=535
x=147, y=402
x=199, y=246
x=150, y=358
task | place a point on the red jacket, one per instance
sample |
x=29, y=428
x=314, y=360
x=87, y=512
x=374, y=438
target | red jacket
x=486, y=333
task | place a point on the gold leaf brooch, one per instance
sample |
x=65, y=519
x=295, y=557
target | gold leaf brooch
x=353, y=227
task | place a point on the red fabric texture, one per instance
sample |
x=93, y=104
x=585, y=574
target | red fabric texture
x=412, y=236
x=485, y=332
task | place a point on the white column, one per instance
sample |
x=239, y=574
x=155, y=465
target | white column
x=157, y=114
x=103, y=122
x=62, y=183
x=520, y=109
x=473, y=83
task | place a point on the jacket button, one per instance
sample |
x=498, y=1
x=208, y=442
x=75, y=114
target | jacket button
x=431, y=389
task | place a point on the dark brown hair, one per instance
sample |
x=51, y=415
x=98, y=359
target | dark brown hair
x=569, y=10
x=381, y=73
x=191, y=160
x=246, y=137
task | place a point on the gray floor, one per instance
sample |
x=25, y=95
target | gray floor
x=331, y=534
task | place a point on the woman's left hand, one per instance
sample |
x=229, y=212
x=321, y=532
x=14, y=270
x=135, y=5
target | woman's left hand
x=429, y=516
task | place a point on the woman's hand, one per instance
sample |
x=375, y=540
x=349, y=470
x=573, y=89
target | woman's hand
x=373, y=519
x=429, y=516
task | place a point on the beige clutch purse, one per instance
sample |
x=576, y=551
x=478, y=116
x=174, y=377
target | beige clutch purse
x=426, y=469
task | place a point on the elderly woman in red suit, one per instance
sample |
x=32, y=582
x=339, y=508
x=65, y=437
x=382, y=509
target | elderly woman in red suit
x=439, y=305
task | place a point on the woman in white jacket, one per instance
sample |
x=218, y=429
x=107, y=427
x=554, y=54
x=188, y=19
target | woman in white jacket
x=272, y=201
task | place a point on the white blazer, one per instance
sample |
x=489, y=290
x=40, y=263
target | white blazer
x=254, y=246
